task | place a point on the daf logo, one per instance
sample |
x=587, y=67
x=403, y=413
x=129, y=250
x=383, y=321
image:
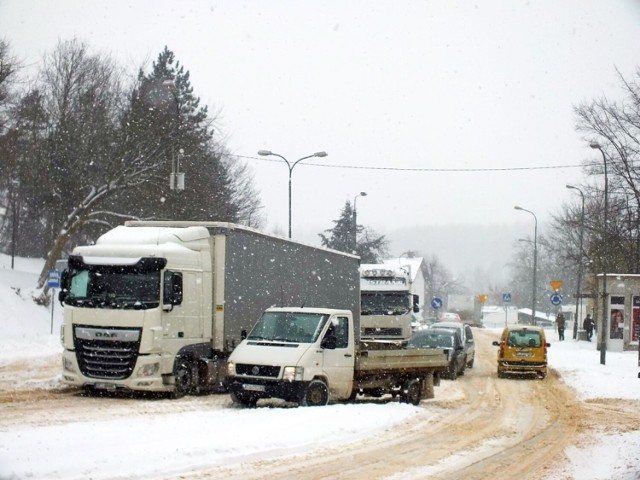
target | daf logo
x=255, y=370
x=120, y=335
x=105, y=335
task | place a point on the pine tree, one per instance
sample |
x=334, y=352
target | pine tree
x=347, y=237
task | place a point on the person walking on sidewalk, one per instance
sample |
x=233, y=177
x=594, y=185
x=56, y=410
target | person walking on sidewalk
x=560, y=325
x=588, y=325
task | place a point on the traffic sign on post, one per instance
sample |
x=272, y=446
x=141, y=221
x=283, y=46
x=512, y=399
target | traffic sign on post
x=53, y=281
x=506, y=297
x=436, y=303
x=483, y=298
x=556, y=299
x=556, y=285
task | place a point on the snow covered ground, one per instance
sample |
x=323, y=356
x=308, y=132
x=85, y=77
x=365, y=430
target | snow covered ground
x=44, y=452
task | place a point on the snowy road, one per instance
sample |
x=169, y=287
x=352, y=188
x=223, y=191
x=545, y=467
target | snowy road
x=477, y=427
x=482, y=428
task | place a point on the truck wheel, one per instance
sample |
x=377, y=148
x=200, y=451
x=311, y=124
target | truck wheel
x=244, y=400
x=183, y=383
x=317, y=394
x=411, y=392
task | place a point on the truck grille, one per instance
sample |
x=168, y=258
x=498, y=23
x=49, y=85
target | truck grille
x=106, y=359
x=257, y=370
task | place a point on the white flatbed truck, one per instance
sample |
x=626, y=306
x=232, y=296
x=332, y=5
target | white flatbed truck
x=313, y=355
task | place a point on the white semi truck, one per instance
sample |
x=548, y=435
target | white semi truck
x=159, y=306
x=387, y=304
x=313, y=355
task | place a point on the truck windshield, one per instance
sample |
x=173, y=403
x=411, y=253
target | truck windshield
x=114, y=287
x=296, y=327
x=385, y=303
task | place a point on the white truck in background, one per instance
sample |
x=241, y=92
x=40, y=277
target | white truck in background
x=159, y=306
x=313, y=355
x=467, y=306
x=387, y=306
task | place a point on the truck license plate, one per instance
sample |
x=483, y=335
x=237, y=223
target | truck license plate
x=253, y=388
x=105, y=386
x=523, y=354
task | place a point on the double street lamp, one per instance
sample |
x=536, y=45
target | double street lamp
x=580, y=256
x=355, y=220
x=535, y=262
x=267, y=153
x=602, y=339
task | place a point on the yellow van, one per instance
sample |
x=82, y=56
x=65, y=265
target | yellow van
x=523, y=350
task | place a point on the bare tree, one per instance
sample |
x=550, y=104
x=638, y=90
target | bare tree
x=82, y=163
x=438, y=279
x=615, y=126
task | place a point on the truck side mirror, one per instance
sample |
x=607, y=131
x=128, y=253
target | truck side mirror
x=172, y=289
x=416, y=303
x=176, y=288
x=64, y=286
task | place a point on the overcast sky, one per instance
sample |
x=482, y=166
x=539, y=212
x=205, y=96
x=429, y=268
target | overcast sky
x=383, y=87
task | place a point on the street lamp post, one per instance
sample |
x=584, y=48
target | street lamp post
x=355, y=220
x=266, y=153
x=580, y=256
x=602, y=339
x=176, y=178
x=535, y=262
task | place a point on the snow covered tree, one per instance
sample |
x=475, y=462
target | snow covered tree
x=165, y=114
x=86, y=152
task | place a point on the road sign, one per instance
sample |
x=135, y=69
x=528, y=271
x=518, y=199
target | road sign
x=556, y=299
x=584, y=295
x=506, y=297
x=556, y=285
x=53, y=281
x=436, y=303
x=483, y=298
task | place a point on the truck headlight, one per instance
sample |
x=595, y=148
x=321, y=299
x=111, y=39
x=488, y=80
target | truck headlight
x=67, y=365
x=149, y=369
x=231, y=369
x=291, y=374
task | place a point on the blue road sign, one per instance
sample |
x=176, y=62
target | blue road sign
x=556, y=299
x=436, y=303
x=53, y=281
x=506, y=297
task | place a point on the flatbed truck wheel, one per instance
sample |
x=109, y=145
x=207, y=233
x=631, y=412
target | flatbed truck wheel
x=412, y=392
x=316, y=395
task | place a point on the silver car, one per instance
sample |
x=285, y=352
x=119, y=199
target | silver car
x=467, y=338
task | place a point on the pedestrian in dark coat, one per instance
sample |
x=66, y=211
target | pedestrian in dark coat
x=588, y=325
x=560, y=325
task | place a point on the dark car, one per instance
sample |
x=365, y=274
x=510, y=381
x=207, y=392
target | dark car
x=445, y=339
